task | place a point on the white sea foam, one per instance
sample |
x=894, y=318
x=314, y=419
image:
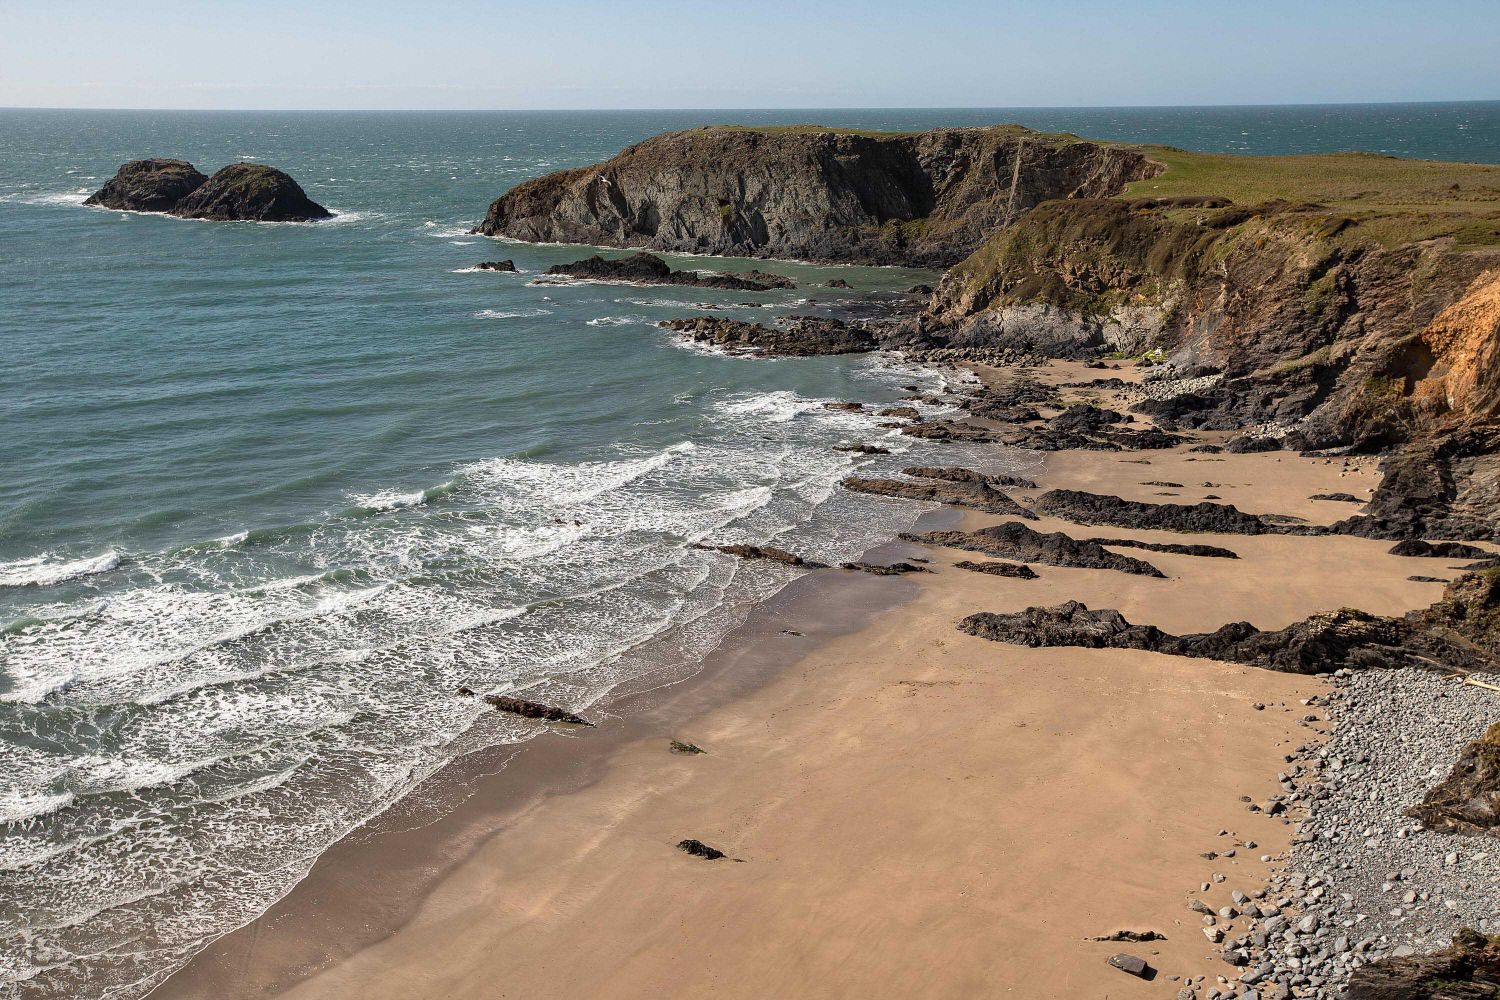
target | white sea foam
x=512, y=313
x=617, y=321
x=388, y=500
x=44, y=571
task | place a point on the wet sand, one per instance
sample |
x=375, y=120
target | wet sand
x=919, y=812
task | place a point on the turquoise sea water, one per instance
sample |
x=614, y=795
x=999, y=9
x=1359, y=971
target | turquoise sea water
x=270, y=493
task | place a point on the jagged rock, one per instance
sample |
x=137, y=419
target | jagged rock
x=1447, y=487
x=960, y=475
x=1013, y=540
x=1015, y=571
x=974, y=495
x=836, y=283
x=1094, y=508
x=148, y=186
x=862, y=449
x=890, y=569
x=1468, y=969
x=1468, y=615
x=1210, y=551
x=527, y=709
x=250, y=192
x=762, y=552
x=953, y=430
x=812, y=193
x=699, y=849
x=1082, y=418
x=1468, y=800
x=802, y=336
x=847, y=407
x=649, y=269
x=1426, y=579
x=507, y=266
x=903, y=412
x=1134, y=937
x=683, y=747
x=1339, y=497
x=1122, y=439
x=1246, y=444
x=1439, y=550
x=1318, y=644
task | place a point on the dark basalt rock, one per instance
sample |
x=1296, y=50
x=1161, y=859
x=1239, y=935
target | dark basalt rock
x=1013, y=540
x=890, y=569
x=1015, y=571
x=1426, y=579
x=507, y=266
x=649, y=269
x=250, y=192
x=1134, y=937
x=801, y=336
x=1019, y=390
x=1121, y=439
x=862, y=449
x=762, y=552
x=1081, y=418
x=699, y=849
x=1246, y=444
x=1319, y=644
x=1468, y=969
x=903, y=412
x=1468, y=800
x=148, y=186
x=954, y=430
x=961, y=475
x=974, y=495
x=1173, y=548
x=1094, y=508
x=1439, y=550
x=845, y=407
x=527, y=709
x=1337, y=497
x=1444, y=488
x=1469, y=613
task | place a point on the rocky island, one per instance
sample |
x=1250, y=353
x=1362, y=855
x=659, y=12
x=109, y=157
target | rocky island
x=241, y=192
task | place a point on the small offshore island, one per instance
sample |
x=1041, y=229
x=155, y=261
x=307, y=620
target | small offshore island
x=241, y=192
x=1199, y=707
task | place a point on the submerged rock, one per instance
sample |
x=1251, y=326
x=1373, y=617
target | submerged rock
x=527, y=709
x=862, y=449
x=974, y=495
x=148, y=186
x=1013, y=540
x=649, y=269
x=766, y=552
x=507, y=266
x=250, y=192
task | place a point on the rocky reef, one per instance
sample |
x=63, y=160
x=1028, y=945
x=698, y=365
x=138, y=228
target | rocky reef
x=797, y=336
x=1013, y=540
x=240, y=192
x=922, y=199
x=649, y=269
x=974, y=495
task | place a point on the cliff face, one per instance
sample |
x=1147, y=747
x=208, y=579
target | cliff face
x=919, y=199
x=1334, y=340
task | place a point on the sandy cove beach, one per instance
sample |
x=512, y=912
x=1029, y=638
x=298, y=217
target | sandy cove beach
x=919, y=812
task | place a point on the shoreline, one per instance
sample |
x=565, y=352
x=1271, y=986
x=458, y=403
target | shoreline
x=331, y=937
x=444, y=819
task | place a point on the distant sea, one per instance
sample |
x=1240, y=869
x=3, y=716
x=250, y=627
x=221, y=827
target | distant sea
x=272, y=493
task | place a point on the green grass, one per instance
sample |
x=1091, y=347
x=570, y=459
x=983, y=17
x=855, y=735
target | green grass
x=1388, y=200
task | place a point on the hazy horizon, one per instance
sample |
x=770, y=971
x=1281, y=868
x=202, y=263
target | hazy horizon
x=774, y=54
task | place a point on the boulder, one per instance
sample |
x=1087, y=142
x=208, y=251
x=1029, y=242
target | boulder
x=148, y=186
x=250, y=192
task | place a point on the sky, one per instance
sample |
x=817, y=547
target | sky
x=548, y=54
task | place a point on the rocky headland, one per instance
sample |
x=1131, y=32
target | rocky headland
x=241, y=192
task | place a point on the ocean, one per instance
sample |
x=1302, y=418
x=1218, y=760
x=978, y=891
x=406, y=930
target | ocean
x=272, y=493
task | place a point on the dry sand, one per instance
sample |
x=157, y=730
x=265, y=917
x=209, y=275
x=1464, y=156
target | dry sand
x=919, y=812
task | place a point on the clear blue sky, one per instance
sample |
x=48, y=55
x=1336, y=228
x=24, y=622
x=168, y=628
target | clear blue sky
x=710, y=54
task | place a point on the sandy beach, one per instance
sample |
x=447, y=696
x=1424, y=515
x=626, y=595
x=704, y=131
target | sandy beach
x=916, y=812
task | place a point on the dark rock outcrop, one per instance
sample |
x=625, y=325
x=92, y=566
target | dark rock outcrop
x=1016, y=571
x=954, y=430
x=1468, y=800
x=961, y=475
x=808, y=193
x=1173, y=548
x=974, y=495
x=767, y=552
x=527, y=709
x=1420, y=547
x=699, y=849
x=506, y=266
x=250, y=192
x=1336, y=497
x=1318, y=644
x=148, y=186
x=862, y=449
x=885, y=569
x=649, y=269
x=1444, y=487
x=1094, y=508
x=1468, y=969
x=1013, y=540
x=801, y=336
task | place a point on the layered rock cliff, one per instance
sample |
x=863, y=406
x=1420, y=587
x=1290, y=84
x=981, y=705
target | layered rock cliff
x=919, y=199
